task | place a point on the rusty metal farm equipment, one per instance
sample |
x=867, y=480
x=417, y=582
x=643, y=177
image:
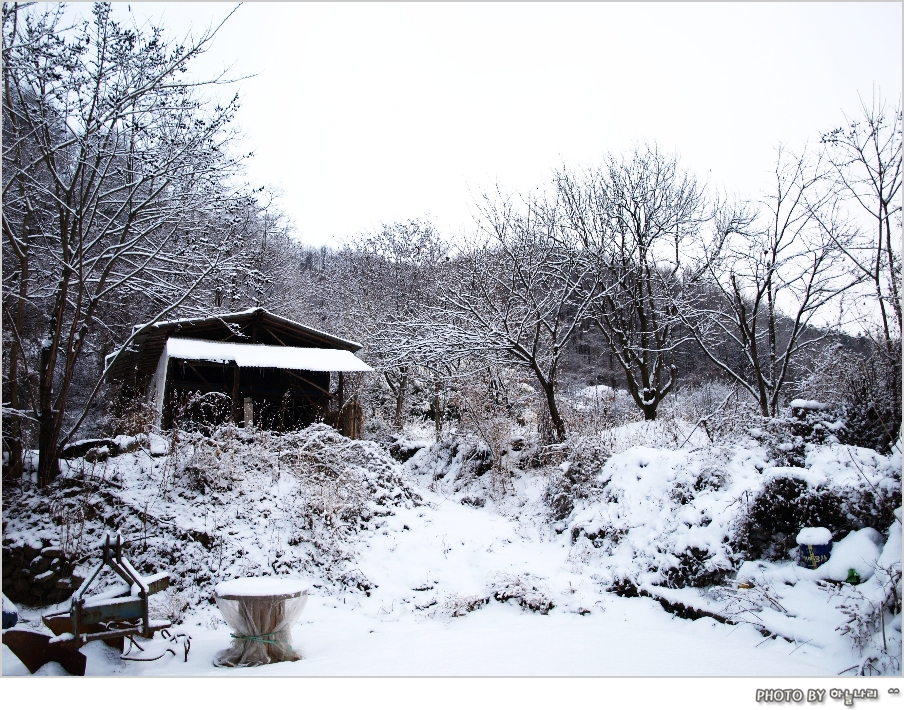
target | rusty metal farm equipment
x=113, y=615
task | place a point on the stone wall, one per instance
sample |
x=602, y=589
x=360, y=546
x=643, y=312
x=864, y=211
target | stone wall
x=37, y=576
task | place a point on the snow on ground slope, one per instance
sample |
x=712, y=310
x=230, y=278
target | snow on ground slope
x=449, y=552
x=407, y=580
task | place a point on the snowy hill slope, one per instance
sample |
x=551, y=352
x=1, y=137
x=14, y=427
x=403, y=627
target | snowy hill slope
x=407, y=577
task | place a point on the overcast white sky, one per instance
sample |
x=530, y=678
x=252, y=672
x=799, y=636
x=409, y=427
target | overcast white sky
x=369, y=113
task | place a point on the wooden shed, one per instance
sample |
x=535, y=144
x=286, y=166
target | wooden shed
x=265, y=369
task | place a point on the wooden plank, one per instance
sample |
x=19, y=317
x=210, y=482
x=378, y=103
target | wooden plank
x=278, y=339
x=155, y=583
x=308, y=382
x=195, y=370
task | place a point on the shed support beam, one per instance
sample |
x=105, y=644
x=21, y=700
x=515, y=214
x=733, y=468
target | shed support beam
x=236, y=394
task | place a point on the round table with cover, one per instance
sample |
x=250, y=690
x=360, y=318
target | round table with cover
x=261, y=612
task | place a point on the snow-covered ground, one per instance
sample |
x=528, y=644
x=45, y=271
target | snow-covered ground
x=414, y=582
x=451, y=551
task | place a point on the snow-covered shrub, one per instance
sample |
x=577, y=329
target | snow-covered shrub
x=130, y=415
x=169, y=604
x=457, y=605
x=566, y=484
x=342, y=482
x=202, y=411
x=663, y=517
x=375, y=427
x=730, y=417
x=803, y=423
x=873, y=404
x=270, y=504
x=865, y=387
x=401, y=449
x=575, y=478
x=493, y=405
x=842, y=488
x=457, y=462
x=525, y=588
x=212, y=461
x=781, y=510
x=872, y=611
x=594, y=410
x=70, y=514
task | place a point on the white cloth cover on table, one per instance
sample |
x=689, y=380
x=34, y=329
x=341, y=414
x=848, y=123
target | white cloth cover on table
x=261, y=612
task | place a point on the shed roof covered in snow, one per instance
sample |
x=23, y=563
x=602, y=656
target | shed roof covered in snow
x=248, y=355
x=256, y=326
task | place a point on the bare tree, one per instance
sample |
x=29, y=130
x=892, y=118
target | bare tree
x=114, y=190
x=633, y=217
x=391, y=276
x=265, y=264
x=865, y=155
x=771, y=268
x=513, y=297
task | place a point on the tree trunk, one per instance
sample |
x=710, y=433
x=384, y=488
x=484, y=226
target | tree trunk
x=351, y=419
x=556, y=418
x=48, y=466
x=400, y=399
x=437, y=412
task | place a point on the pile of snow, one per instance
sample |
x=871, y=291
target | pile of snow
x=860, y=623
x=809, y=404
x=664, y=517
x=526, y=589
x=680, y=518
x=456, y=463
x=859, y=551
x=814, y=536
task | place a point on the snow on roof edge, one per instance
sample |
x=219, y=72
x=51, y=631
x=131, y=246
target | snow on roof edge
x=258, y=355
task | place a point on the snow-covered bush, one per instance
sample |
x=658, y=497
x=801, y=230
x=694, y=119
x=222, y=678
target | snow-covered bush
x=457, y=605
x=803, y=423
x=722, y=412
x=594, y=410
x=663, y=517
x=575, y=478
x=842, y=488
x=874, y=610
x=784, y=506
x=202, y=411
x=456, y=462
x=235, y=503
x=130, y=414
x=526, y=589
x=865, y=388
x=342, y=481
x=169, y=604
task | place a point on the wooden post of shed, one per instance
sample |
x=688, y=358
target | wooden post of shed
x=236, y=394
x=340, y=402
